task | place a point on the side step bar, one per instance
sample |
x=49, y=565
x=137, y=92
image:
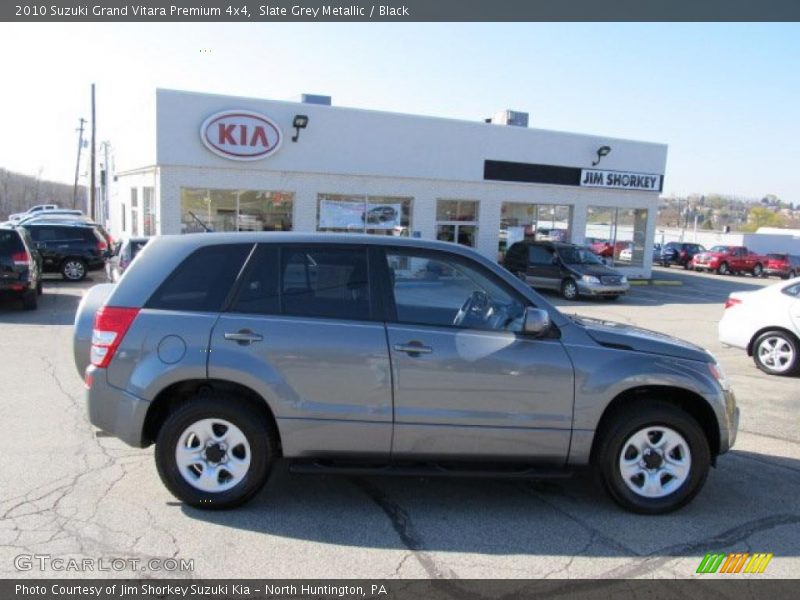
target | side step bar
x=428, y=470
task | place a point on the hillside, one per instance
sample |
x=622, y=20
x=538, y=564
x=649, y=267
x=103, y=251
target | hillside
x=19, y=192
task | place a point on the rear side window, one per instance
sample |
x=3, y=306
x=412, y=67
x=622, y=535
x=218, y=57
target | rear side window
x=203, y=280
x=539, y=255
x=258, y=293
x=325, y=282
x=10, y=242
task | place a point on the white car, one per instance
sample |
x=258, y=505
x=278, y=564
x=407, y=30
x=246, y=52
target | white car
x=626, y=255
x=32, y=210
x=766, y=323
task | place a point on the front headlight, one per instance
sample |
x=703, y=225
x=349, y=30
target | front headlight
x=590, y=279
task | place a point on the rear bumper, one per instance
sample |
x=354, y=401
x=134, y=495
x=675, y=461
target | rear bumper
x=115, y=411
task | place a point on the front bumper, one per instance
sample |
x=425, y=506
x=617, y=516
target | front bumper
x=776, y=272
x=728, y=430
x=113, y=410
x=599, y=289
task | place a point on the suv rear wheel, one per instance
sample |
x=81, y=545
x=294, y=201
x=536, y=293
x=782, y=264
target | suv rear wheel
x=30, y=300
x=776, y=353
x=73, y=269
x=653, y=458
x=215, y=452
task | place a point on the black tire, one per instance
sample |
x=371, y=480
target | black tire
x=73, y=269
x=723, y=269
x=569, y=289
x=613, y=297
x=686, y=266
x=259, y=432
x=624, y=424
x=792, y=275
x=758, y=270
x=30, y=300
x=788, y=341
x=39, y=288
x=665, y=264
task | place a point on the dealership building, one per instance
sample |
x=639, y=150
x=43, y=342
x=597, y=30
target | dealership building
x=225, y=163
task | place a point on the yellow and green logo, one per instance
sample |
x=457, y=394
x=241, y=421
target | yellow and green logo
x=735, y=562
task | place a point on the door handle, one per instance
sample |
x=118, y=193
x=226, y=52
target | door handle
x=413, y=348
x=244, y=337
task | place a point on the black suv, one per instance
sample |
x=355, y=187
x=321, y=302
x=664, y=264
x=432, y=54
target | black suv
x=20, y=266
x=573, y=270
x=72, y=249
x=679, y=253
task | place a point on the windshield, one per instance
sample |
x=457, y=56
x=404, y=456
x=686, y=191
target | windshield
x=720, y=249
x=572, y=255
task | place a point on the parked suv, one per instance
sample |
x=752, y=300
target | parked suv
x=785, y=266
x=572, y=270
x=20, y=267
x=121, y=256
x=372, y=354
x=72, y=249
x=679, y=253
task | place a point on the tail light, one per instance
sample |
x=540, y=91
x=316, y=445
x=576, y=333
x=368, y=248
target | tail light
x=683, y=253
x=730, y=302
x=21, y=259
x=111, y=323
x=101, y=246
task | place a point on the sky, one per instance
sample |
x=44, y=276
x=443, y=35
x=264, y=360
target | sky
x=725, y=97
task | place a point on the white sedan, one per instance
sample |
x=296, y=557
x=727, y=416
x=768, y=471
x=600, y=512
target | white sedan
x=766, y=323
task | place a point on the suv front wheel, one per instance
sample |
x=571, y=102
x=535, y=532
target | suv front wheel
x=653, y=458
x=215, y=452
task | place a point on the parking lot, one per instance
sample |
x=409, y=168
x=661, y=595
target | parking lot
x=68, y=493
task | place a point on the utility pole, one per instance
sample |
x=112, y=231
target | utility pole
x=93, y=193
x=78, y=164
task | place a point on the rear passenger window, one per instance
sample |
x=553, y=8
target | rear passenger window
x=539, y=255
x=202, y=281
x=10, y=242
x=259, y=291
x=325, y=282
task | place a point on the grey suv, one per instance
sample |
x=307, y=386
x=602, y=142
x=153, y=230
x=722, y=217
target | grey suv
x=373, y=354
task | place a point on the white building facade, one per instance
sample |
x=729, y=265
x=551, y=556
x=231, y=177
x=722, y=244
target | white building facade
x=227, y=163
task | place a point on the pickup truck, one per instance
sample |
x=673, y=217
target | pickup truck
x=727, y=260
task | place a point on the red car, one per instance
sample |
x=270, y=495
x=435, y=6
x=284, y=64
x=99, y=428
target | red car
x=606, y=249
x=784, y=266
x=726, y=260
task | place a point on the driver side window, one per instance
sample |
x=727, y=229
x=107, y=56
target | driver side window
x=433, y=289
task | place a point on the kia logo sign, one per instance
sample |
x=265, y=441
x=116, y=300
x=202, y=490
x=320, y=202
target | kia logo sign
x=241, y=135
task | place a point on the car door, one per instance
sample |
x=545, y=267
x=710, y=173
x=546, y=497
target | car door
x=466, y=387
x=304, y=332
x=544, y=270
x=47, y=242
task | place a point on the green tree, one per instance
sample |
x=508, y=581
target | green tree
x=760, y=216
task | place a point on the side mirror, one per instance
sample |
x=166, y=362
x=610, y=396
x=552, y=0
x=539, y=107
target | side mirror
x=537, y=321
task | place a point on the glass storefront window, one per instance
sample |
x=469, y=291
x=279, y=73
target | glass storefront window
x=457, y=221
x=134, y=212
x=148, y=211
x=617, y=234
x=235, y=210
x=520, y=220
x=381, y=215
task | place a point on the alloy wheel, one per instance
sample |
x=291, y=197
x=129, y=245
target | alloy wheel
x=776, y=354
